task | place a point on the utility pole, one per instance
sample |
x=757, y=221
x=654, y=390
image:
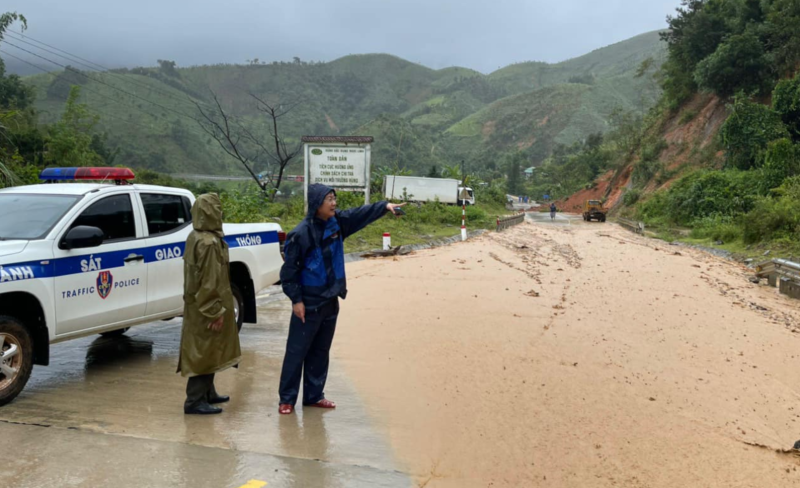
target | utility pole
x=463, y=197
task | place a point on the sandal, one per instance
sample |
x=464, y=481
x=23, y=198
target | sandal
x=285, y=409
x=324, y=403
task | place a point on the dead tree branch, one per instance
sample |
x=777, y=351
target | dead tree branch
x=248, y=148
x=218, y=126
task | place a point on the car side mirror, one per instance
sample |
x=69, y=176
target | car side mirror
x=82, y=236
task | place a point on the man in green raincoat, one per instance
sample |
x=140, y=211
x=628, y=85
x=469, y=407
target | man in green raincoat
x=210, y=338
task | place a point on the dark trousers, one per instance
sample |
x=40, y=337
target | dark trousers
x=199, y=389
x=307, y=354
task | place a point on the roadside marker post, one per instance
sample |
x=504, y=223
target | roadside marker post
x=387, y=241
x=464, y=222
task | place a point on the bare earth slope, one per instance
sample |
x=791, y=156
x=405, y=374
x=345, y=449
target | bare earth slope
x=638, y=364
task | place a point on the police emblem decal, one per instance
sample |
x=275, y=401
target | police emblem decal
x=105, y=281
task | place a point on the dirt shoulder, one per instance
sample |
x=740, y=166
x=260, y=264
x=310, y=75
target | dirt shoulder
x=575, y=356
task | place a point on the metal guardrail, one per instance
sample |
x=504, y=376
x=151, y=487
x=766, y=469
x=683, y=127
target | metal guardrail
x=506, y=222
x=782, y=273
x=632, y=225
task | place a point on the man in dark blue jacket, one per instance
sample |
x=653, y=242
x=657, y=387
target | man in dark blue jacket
x=313, y=278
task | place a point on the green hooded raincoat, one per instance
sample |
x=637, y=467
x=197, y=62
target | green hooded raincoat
x=207, y=295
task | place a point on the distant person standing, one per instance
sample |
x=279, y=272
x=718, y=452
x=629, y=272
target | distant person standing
x=209, y=338
x=553, y=211
x=313, y=278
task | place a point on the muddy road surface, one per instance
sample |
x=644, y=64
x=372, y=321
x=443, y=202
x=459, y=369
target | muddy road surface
x=575, y=355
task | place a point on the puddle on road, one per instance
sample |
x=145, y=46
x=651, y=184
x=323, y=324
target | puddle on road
x=128, y=386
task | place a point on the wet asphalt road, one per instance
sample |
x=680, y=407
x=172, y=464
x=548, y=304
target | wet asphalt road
x=108, y=412
x=561, y=218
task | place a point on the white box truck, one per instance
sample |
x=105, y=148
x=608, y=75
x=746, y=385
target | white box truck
x=419, y=189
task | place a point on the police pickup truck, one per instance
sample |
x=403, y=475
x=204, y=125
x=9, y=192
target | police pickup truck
x=79, y=259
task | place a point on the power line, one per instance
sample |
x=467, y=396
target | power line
x=90, y=90
x=74, y=57
x=102, y=82
x=77, y=59
x=197, y=130
x=57, y=49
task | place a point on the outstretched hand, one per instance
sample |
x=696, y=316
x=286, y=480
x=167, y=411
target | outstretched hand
x=391, y=206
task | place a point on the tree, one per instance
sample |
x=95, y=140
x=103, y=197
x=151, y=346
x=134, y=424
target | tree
x=70, y=142
x=783, y=32
x=240, y=142
x=748, y=130
x=99, y=145
x=9, y=18
x=378, y=176
x=454, y=172
x=739, y=63
x=648, y=71
x=60, y=87
x=168, y=68
x=514, y=163
x=628, y=131
x=786, y=101
x=14, y=97
x=282, y=154
x=781, y=161
x=693, y=34
x=434, y=172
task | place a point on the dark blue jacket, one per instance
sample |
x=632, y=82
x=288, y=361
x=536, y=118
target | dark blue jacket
x=313, y=271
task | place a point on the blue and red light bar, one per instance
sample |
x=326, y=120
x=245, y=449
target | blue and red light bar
x=86, y=174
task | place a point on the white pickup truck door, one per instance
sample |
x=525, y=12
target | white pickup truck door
x=167, y=218
x=107, y=284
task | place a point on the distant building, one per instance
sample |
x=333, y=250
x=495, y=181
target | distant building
x=529, y=172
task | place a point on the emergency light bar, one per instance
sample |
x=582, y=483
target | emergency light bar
x=85, y=174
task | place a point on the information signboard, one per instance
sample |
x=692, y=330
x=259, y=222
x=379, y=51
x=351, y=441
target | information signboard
x=340, y=162
x=341, y=167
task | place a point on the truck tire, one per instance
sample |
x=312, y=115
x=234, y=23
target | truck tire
x=15, y=370
x=238, y=306
x=114, y=333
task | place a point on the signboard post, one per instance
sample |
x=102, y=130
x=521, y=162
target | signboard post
x=341, y=162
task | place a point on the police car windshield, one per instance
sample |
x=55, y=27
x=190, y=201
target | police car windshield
x=28, y=217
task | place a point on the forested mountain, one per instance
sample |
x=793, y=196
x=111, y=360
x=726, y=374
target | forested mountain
x=419, y=117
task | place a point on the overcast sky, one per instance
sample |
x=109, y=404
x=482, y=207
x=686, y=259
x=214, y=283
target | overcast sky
x=478, y=34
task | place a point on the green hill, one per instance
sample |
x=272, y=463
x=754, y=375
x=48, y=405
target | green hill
x=620, y=59
x=441, y=115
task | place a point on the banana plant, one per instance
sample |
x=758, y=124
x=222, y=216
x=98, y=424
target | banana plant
x=376, y=183
x=7, y=177
x=455, y=173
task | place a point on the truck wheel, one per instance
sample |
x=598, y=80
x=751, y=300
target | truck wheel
x=238, y=306
x=114, y=333
x=16, y=362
